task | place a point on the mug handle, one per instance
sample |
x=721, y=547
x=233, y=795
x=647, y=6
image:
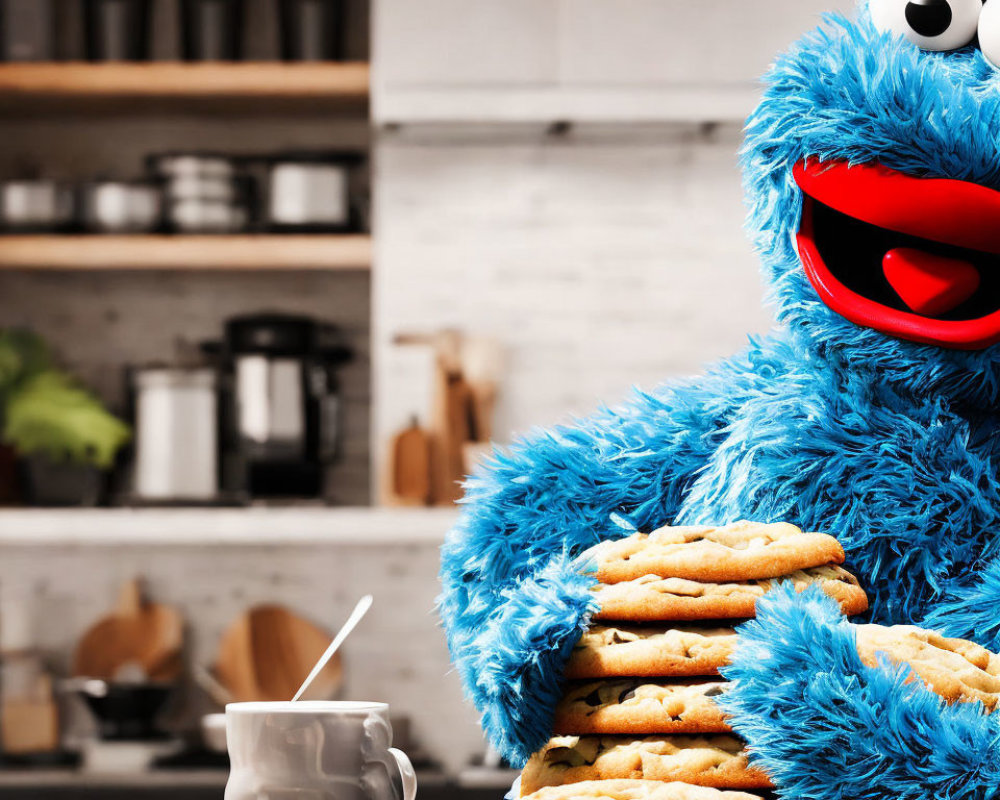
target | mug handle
x=406, y=772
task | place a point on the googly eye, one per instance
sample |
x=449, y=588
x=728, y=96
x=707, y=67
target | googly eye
x=929, y=24
x=989, y=31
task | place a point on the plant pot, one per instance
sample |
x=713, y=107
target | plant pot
x=10, y=490
x=45, y=482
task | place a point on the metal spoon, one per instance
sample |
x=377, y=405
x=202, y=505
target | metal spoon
x=356, y=615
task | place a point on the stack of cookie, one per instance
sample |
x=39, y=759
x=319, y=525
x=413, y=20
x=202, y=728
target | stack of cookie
x=638, y=713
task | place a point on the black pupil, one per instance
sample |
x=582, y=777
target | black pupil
x=929, y=18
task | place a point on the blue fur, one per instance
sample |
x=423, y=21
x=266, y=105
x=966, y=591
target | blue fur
x=967, y=619
x=824, y=725
x=890, y=445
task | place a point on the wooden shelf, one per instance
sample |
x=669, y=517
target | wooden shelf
x=225, y=526
x=254, y=88
x=180, y=252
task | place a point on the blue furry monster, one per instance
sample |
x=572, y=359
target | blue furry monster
x=872, y=172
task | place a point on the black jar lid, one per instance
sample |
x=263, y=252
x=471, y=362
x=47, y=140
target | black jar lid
x=272, y=334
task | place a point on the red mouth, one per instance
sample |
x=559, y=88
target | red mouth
x=914, y=258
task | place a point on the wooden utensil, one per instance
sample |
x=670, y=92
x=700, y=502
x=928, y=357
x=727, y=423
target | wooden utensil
x=411, y=465
x=138, y=634
x=449, y=422
x=482, y=364
x=452, y=425
x=268, y=652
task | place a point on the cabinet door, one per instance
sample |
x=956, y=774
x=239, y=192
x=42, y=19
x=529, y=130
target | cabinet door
x=579, y=60
x=701, y=43
x=463, y=43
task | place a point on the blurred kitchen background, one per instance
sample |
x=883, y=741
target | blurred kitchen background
x=270, y=280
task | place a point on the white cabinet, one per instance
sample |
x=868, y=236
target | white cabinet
x=453, y=43
x=679, y=42
x=580, y=60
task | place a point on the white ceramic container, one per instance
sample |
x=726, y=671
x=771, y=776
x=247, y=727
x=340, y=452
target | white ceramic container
x=314, y=751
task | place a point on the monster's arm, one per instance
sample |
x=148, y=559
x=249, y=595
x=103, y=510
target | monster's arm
x=513, y=600
x=824, y=725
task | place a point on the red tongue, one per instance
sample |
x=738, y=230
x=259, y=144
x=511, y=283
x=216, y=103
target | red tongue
x=929, y=285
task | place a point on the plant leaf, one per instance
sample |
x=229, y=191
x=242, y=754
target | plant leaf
x=51, y=414
x=22, y=354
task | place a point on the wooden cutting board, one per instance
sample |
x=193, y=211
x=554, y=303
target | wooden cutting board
x=137, y=633
x=267, y=653
x=411, y=466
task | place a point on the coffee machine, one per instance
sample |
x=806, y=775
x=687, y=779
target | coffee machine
x=281, y=405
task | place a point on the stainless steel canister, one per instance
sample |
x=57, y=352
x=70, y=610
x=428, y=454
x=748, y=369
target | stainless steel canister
x=176, y=433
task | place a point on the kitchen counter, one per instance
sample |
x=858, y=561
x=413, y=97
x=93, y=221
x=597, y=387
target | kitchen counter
x=67, y=784
x=207, y=784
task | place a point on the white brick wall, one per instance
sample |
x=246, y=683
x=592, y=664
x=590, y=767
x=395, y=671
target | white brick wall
x=608, y=258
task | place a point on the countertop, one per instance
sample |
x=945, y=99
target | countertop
x=69, y=784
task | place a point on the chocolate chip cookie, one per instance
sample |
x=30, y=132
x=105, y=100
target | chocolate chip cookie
x=716, y=761
x=958, y=670
x=641, y=706
x=650, y=651
x=742, y=551
x=652, y=598
x=635, y=790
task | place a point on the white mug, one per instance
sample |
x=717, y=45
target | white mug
x=314, y=750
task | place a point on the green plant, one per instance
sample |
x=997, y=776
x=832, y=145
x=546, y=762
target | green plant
x=44, y=410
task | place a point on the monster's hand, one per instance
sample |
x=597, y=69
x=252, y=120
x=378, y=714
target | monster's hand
x=825, y=725
x=513, y=601
x=512, y=665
